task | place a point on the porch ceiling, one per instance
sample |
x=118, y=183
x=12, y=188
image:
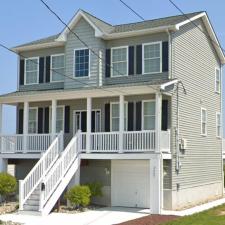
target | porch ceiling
x=98, y=92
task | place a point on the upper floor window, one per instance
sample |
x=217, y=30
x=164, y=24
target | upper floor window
x=81, y=63
x=203, y=121
x=119, y=61
x=217, y=80
x=218, y=124
x=115, y=116
x=152, y=58
x=57, y=67
x=31, y=70
x=59, y=119
x=32, y=121
x=148, y=115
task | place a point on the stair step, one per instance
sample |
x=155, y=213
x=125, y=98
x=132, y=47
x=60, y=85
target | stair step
x=30, y=213
x=34, y=197
x=27, y=207
x=32, y=202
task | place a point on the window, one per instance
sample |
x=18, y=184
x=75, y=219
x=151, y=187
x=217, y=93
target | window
x=31, y=70
x=217, y=80
x=218, y=124
x=115, y=116
x=152, y=58
x=119, y=61
x=203, y=122
x=32, y=121
x=82, y=61
x=148, y=115
x=59, y=119
x=57, y=67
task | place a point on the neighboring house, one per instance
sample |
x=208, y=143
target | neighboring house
x=149, y=143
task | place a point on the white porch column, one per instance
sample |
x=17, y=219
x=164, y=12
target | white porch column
x=121, y=123
x=54, y=107
x=158, y=116
x=88, y=136
x=3, y=165
x=1, y=118
x=155, y=185
x=25, y=125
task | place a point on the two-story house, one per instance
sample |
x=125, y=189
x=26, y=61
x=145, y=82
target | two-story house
x=135, y=106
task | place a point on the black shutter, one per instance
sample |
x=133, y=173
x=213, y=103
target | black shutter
x=107, y=117
x=139, y=59
x=130, y=116
x=41, y=69
x=47, y=72
x=138, y=115
x=40, y=120
x=46, y=121
x=165, y=56
x=20, y=122
x=93, y=121
x=67, y=119
x=84, y=121
x=164, y=114
x=131, y=60
x=107, y=62
x=21, y=75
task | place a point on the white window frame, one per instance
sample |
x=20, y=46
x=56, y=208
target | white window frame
x=111, y=62
x=80, y=111
x=36, y=120
x=142, y=114
x=55, y=55
x=25, y=69
x=50, y=117
x=220, y=125
x=217, y=69
x=143, y=59
x=206, y=116
x=125, y=105
x=74, y=64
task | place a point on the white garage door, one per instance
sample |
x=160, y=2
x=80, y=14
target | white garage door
x=131, y=183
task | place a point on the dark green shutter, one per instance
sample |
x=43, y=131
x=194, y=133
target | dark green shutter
x=21, y=74
x=84, y=121
x=20, y=121
x=67, y=119
x=138, y=116
x=165, y=56
x=47, y=68
x=41, y=69
x=130, y=116
x=164, y=115
x=139, y=59
x=107, y=117
x=40, y=120
x=46, y=120
x=107, y=62
x=131, y=60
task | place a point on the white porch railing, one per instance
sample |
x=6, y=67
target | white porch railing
x=32, y=180
x=165, y=141
x=20, y=143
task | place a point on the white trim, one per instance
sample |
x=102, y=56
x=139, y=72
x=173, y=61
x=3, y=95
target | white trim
x=163, y=86
x=218, y=136
x=114, y=103
x=36, y=120
x=89, y=63
x=55, y=55
x=142, y=113
x=111, y=62
x=160, y=57
x=25, y=71
x=217, y=69
x=50, y=122
x=206, y=118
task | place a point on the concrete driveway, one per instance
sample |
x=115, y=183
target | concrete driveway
x=103, y=216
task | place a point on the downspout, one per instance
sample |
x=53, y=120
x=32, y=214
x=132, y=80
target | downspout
x=177, y=133
x=170, y=54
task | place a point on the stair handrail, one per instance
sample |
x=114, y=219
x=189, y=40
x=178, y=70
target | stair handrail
x=59, y=169
x=34, y=177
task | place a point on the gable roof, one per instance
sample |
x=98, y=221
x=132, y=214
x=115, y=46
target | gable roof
x=108, y=31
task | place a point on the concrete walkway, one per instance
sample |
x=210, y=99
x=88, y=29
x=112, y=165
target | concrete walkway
x=104, y=216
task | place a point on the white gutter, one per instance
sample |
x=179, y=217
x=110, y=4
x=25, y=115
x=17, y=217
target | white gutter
x=163, y=86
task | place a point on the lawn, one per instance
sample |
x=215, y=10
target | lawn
x=215, y=216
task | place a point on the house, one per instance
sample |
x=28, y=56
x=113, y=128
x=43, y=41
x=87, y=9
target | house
x=135, y=106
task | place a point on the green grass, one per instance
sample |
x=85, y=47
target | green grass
x=215, y=216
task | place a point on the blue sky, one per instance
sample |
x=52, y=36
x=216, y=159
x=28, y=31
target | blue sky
x=25, y=20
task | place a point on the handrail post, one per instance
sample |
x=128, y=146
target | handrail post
x=88, y=137
x=21, y=191
x=121, y=123
x=61, y=141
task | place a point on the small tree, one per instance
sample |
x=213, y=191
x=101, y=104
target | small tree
x=96, y=189
x=79, y=196
x=8, y=185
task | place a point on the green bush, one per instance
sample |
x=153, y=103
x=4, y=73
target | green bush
x=79, y=196
x=96, y=189
x=8, y=185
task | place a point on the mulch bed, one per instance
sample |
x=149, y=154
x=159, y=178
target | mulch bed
x=150, y=220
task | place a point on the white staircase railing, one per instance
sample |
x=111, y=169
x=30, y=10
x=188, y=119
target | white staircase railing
x=33, y=179
x=58, y=175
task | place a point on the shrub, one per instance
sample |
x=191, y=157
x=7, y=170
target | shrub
x=79, y=196
x=96, y=189
x=8, y=185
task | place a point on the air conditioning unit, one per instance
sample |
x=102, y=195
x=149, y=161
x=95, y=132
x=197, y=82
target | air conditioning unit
x=183, y=144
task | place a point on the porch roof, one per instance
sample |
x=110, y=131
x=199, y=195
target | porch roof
x=95, y=92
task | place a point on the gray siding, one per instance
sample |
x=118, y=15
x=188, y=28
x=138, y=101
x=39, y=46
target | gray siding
x=194, y=61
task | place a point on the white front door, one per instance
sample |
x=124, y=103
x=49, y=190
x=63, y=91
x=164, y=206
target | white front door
x=131, y=183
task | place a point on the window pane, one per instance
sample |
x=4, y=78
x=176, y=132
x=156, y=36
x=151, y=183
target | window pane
x=203, y=116
x=31, y=71
x=115, y=110
x=149, y=108
x=203, y=128
x=82, y=63
x=115, y=124
x=152, y=51
x=149, y=122
x=58, y=64
x=119, y=62
x=32, y=123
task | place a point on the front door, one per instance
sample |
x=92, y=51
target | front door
x=80, y=121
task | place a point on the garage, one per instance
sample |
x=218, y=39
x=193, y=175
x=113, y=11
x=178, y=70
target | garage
x=131, y=183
